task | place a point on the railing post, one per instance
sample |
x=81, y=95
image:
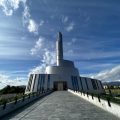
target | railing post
x=23, y=98
x=29, y=96
x=108, y=99
x=87, y=94
x=16, y=100
x=92, y=96
x=84, y=93
x=4, y=104
x=33, y=94
x=99, y=98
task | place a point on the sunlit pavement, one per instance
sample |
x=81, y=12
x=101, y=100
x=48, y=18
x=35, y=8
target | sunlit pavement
x=61, y=105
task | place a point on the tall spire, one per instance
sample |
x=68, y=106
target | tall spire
x=59, y=36
x=59, y=48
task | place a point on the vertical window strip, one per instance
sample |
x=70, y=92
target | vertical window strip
x=94, y=84
x=81, y=83
x=97, y=84
x=86, y=84
x=41, y=82
x=73, y=82
x=48, y=86
x=101, y=85
x=38, y=82
x=47, y=82
x=77, y=83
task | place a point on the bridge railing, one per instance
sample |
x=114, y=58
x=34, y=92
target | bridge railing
x=101, y=100
x=104, y=96
x=17, y=102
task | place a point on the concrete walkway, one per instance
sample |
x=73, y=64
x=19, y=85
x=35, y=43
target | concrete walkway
x=60, y=105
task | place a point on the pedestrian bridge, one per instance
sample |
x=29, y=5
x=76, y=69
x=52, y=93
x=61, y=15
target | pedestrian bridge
x=60, y=105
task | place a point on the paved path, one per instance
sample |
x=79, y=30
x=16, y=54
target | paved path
x=61, y=106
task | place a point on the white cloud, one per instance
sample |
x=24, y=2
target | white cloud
x=32, y=26
x=108, y=75
x=42, y=48
x=30, y=23
x=65, y=19
x=70, y=27
x=70, y=43
x=99, y=66
x=6, y=80
x=49, y=57
x=26, y=15
x=39, y=46
x=89, y=53
x=9, y=6
x=41, y=22
x=38, y=69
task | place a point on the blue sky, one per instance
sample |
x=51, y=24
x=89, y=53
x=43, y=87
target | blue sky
x=28, y=31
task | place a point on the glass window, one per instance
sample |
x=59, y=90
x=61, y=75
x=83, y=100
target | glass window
x=81, y=83
x=94, y=84
x=97, y=84
x=39, y=82
x=48, y=82
x=101, y=85
x=86, y=83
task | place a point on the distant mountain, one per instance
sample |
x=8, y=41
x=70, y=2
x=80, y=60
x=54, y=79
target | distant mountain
x=22, y=86
x=12, y=89
x=117, y=83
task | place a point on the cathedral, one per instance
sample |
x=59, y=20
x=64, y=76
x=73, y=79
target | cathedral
x=63, y=76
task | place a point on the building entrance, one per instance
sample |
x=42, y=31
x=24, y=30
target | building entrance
x=60, y=85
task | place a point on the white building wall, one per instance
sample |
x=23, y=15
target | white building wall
x=60, y=70
x=67, y=78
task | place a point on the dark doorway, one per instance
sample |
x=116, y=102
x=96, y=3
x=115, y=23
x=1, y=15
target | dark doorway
x=60, y=85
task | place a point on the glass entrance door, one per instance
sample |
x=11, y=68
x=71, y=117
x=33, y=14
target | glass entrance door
x=60, y=85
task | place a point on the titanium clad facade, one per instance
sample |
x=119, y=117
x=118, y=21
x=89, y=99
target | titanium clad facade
x=63, y=76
